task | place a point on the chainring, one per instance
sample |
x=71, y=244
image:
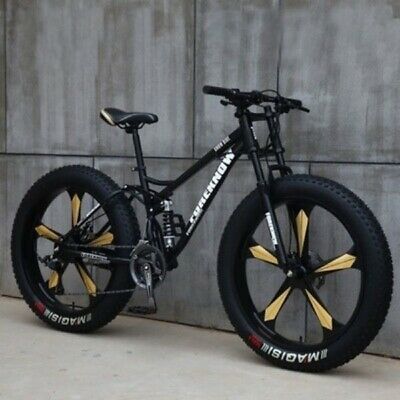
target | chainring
x=145, y=255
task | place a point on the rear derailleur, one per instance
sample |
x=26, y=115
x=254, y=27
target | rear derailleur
x=148, y=269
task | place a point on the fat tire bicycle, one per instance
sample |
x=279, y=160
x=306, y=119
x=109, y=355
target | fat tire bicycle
x=110, y=257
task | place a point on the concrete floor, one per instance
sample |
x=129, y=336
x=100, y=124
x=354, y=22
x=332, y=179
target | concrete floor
x=135, y=358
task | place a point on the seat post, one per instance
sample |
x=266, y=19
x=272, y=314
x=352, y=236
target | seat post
x=141, y=168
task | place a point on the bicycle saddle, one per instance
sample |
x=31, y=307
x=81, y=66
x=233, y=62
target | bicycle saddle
x=124, y=119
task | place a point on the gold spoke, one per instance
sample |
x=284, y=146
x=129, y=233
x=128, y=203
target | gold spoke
x=322, y=314
x=75, y=209
x=342, y=262
x=46, y=232
x=301, y=230
x=273, y=309
x=263, y=254
x=54, y=280
x=104, y=239
x=87, y=280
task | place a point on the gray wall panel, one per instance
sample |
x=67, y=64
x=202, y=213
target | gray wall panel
x=342, y=59
x=51, y=70
x=2, y=78
x=5, y=276
x=235, y=47
x=17, y=177
x=146, y=64
x=66, y=60
x=378, y=186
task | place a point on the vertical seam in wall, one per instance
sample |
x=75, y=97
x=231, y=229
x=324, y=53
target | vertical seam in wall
x=194, y=80
x=278, y=66
x=3, y=260
x=5, y=74
x=278, y=71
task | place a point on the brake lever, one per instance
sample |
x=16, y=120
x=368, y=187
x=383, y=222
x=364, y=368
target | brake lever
x=225, y=103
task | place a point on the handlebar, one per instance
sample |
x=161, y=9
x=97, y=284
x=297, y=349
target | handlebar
x=218, y=91
x=238, y=98
x=295, y=104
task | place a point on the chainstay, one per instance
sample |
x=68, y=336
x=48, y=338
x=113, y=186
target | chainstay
x=105, y=292
x=120, y=291
x=109, y=246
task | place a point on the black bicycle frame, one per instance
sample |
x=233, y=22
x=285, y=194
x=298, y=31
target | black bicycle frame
x=242, y=140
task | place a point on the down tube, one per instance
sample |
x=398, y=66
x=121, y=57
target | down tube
x=227, y=162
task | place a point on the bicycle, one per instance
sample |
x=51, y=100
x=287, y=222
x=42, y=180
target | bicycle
x=103, y=244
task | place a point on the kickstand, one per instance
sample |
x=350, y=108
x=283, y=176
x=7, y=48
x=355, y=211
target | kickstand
x=152, y=306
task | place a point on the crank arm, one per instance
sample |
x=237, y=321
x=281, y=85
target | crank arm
x=150, y=292
x=151, y=307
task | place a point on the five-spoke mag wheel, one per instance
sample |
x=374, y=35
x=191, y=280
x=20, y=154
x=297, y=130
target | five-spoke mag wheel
x=95, y=233
x=307, y=269
x=335, y=298
x=52, y=242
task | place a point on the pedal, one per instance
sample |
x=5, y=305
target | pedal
x=142, y=310
x=145, y=310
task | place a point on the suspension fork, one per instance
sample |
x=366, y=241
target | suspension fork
x=273, y=123
x=251, y=147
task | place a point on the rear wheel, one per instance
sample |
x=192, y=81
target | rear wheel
x=332, y=310
x=70, y=295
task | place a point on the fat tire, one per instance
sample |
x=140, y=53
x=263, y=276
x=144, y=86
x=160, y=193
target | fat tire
x=124, y=218
x=378, y=267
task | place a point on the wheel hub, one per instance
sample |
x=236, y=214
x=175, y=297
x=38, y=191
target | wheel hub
x=297, y=269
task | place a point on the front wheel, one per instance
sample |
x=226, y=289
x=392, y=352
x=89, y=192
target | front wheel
x=329, y=313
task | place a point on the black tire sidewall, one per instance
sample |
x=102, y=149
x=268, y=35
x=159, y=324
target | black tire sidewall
x=125, y=230
x=377, y=276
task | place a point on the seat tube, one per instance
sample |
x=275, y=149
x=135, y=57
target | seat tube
x=251, y=147
x=141, y=168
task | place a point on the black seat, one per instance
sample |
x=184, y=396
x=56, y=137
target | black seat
x=123, y=119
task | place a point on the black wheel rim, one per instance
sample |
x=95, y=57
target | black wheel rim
x=46, y=283
x=265, y=318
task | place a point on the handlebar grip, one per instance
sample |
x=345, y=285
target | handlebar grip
x=217, y=91
x=298, y=104
x=294, y=102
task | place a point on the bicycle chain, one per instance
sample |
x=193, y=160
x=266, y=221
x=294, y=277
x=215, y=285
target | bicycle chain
x=120, y=291
x=107, y=246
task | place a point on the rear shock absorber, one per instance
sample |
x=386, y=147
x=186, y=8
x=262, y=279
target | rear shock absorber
x=168, y=224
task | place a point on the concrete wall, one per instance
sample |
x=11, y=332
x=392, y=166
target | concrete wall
x=65, y=60
x=2, y=78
